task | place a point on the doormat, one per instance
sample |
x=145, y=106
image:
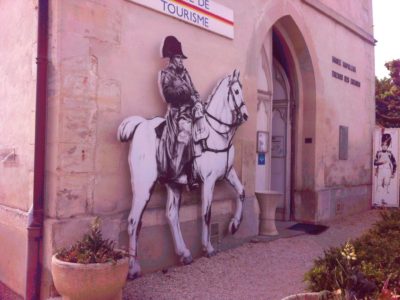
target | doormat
x=309, y=228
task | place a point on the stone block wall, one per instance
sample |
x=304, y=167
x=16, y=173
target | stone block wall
x=101, y=72
x=103, y=67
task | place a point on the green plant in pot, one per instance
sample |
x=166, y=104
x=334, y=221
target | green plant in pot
x=91, y=268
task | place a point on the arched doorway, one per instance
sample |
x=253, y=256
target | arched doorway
x=286, y=111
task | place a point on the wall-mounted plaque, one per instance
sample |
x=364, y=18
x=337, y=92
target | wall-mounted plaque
x=262, y=141
x=278, y=146
x=261, y=159
x=343, y=142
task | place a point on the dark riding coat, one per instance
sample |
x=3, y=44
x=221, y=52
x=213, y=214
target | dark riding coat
x=180, y=94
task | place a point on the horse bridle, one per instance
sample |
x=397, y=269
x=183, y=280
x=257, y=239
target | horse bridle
x=237, y=109
x=233, y=125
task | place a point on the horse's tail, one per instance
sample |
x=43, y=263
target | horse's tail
x=127, y=128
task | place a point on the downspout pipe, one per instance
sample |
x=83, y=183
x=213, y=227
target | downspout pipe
x=35, y=216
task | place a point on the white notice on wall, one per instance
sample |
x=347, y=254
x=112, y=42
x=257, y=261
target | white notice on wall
x=385, y=168
x=206, y=14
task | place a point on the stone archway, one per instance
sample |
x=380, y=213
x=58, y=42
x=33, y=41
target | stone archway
x=297, y=53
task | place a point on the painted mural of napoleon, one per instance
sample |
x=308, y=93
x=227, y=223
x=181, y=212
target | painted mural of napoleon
x=185, y=109
x=385, y=164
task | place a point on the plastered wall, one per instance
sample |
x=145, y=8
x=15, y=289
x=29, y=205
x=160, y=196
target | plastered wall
x=17, y=76
x=17, y=116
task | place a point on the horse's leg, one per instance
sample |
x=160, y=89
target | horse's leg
x=143, y=168
x=140, y=200
x=207, y=195
x=233, y=179
x=172, y=212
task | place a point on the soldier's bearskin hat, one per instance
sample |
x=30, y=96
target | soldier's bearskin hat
x=386, y=139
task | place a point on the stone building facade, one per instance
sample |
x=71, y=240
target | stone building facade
x=307, y=69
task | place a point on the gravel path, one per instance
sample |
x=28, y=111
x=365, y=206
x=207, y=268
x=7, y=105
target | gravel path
x=268, y=271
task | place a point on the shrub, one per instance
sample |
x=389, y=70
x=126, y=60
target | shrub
x=377, y=256
x=91, y=249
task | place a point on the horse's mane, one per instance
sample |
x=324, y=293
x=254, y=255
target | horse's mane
x=216, y=88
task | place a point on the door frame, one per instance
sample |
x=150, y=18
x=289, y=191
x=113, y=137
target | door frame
x=285, y=106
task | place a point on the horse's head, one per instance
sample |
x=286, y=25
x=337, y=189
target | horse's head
x=236, y=100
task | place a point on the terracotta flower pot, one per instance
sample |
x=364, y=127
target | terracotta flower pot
x=304, y=296
x=89, y=281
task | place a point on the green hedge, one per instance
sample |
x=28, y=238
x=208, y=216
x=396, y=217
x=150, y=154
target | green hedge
x=377, y=259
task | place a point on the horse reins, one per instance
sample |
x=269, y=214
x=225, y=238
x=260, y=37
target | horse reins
x=236, y=107
x=233, y=125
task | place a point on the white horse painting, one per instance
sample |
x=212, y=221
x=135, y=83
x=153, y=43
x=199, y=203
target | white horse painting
x=224, y=111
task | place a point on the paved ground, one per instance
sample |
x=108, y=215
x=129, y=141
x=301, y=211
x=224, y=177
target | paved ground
x=7, y=294
x=267, y=269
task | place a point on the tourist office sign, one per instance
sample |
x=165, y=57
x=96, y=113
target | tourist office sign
x=206, y=14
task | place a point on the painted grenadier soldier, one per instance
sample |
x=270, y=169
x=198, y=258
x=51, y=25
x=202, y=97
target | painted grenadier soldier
x=184, y=107
x=385, y=163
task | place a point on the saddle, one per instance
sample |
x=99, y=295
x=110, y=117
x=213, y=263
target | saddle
x=200, y=132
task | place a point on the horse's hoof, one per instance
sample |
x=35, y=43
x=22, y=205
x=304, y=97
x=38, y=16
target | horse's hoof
x=233, y=227
x=211, y=254
x=134, y=270
x=133, y=276
x=187, y=260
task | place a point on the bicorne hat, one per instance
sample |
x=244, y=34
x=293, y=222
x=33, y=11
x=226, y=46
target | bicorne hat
x=171, y=47
x=386, y=139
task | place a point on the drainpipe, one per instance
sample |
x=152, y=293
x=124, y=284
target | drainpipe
x=35, y=216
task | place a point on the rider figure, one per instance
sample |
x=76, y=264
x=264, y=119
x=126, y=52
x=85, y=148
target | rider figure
x=385, y=164
x=184, y=108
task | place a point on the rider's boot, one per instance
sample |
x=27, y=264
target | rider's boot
x=179, y=153
x=180, y=173
x=193, y=184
